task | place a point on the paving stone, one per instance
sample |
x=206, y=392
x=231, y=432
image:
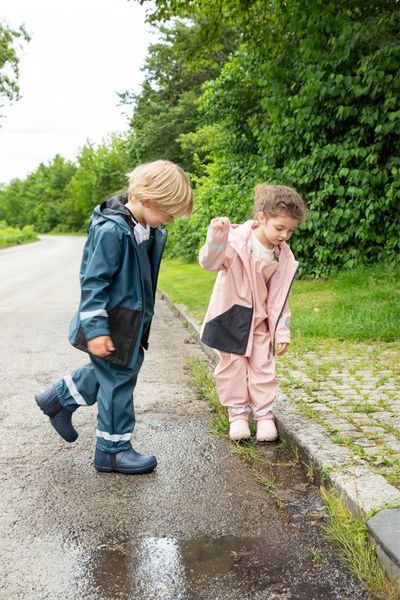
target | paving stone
x=346, y=427
x=386, y=418
x=365, y=442
x=392, y=445
x=373, y=429
x=362, y=489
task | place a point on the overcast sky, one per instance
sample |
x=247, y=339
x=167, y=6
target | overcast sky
x=82, y=53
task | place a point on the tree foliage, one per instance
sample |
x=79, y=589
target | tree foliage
x=175, y=69
x=11, y=43
x=309, y=99
x=242, y=91
x=61, y=196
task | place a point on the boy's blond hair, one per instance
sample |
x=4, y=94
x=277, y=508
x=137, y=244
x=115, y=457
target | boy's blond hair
x=164, y=184
x=274, y=200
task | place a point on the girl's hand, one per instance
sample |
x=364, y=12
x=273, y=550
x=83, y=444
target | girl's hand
x=282, y=348
x=221, y=223
x=101, y=346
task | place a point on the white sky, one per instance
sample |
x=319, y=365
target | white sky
x=82, y=53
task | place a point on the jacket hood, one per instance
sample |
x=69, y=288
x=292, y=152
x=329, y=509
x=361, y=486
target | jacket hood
x=239, y=237
x=115, y=206
x=111, y=208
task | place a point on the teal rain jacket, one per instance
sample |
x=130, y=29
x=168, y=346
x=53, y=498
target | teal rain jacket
x=114, y=275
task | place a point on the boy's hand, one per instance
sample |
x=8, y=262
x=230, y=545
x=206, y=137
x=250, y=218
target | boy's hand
x=282, y=348
x=221, y=223
x=101, y=346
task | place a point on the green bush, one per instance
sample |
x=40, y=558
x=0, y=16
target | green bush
x=9, y=236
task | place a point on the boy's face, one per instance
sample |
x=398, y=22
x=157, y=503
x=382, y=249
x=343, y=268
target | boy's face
x=275, y=230
x=154, y=217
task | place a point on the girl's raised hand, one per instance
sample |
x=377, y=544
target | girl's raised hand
x=221, y=223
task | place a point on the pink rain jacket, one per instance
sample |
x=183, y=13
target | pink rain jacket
x=229, y=322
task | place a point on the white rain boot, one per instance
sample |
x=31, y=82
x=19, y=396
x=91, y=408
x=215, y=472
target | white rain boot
x=266, y=431
x=239, y=430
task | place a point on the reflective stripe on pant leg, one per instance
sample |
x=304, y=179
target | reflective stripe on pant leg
x=116, y=416
x=80, y=388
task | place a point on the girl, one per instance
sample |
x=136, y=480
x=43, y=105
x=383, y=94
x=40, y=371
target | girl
x=248, y=310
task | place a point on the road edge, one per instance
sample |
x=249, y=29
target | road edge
x=333, y=466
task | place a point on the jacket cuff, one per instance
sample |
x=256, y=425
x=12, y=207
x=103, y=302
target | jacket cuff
x=93, y=333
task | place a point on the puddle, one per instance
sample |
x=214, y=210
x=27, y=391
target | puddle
x=166, y=568
x=170, y=569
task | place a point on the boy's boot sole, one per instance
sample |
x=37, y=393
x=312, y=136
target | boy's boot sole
x=60, y=417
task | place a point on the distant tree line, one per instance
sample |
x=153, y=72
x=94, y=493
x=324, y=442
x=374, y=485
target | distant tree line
x=304, y=93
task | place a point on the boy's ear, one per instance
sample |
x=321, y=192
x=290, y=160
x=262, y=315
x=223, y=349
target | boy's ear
x=146, y=203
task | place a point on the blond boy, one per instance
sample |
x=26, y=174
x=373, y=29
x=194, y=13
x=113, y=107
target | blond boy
x=118, y=277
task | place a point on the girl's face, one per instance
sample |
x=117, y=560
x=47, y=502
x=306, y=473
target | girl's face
x=275, y=230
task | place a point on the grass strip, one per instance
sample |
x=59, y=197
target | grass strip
x=360, y=306
x=351, y=536
x=343, y=529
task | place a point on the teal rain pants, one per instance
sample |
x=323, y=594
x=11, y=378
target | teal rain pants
x=111, y=386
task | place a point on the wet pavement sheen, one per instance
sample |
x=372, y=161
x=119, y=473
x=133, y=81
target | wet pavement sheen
x=199, y=528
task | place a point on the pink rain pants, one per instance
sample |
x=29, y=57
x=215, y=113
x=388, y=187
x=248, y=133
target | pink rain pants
x=247, y=383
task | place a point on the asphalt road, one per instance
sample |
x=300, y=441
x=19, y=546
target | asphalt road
x=199, y=528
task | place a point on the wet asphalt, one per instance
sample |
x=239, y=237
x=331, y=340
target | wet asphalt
x=198, y=528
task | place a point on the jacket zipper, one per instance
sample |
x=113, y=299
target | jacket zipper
x=283, y=306
x=146, y=334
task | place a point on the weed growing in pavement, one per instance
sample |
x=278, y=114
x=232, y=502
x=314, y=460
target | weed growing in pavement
x=363, y=407
x=367, y=364
x=350, y=534
x=247, y=450
x=205, y=387
x=315, y=555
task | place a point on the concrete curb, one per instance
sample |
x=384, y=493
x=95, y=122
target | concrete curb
x=361, y=489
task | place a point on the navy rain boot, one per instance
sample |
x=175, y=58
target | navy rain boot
x=128, y=461
x=60, y=417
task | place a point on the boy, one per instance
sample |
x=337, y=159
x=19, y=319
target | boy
x=118, y=278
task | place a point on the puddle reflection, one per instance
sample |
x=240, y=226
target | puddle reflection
x=161, y=568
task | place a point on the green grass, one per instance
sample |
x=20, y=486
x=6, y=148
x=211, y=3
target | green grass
x=188, y=284
x=11, y=236
x=362, y=305
x=350, y=534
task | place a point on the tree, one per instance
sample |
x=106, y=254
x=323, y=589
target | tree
x=11, y=43
x=312, y=103
x=175, y=70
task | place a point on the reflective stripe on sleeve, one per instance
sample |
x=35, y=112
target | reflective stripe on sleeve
x=73, y=390
x=214, y=247
x=114, y=437
x=88, y=314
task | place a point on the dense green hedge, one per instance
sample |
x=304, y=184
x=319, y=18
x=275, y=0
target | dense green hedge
x=10, y=236
x=315, y=107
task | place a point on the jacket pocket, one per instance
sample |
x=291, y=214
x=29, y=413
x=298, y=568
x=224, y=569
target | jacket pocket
x=124, y=325
x=229, y=331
